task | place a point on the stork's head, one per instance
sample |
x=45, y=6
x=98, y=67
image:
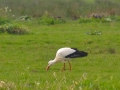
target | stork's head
x=51, y=62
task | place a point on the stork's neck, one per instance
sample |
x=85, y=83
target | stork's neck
x=51, y=62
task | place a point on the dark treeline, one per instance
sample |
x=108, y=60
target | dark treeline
x=61, y=8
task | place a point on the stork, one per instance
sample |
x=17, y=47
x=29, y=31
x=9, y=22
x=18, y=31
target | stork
x=66, y=54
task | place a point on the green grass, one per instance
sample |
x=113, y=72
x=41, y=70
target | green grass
x=23, y=58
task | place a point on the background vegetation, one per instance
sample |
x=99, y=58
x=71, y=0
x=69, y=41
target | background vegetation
x=31, y=31
x=61, y=8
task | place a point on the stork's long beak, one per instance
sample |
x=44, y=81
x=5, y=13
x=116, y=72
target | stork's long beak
x=47, y=68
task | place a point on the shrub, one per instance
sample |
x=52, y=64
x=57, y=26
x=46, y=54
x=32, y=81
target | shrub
x=111, y=18
x=118, y=18
x=115, y=18
x=7, y=85
x=88, y=20
x=105, y=20
x=94, y=33
x=85, y=20
x=59, y=20
x=48, y=20
x=45, y=20
x=2, y=29
x=25, y=18
x=4, y=21
x=13, y=29
x=92, y=19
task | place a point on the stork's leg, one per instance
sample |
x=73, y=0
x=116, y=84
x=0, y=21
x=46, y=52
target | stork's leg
x=69, y=65
x=63, y=67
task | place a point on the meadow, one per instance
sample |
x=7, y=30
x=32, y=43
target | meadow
x=23, y=58
x=31, y=31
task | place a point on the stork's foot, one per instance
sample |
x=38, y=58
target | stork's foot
x=63, y=69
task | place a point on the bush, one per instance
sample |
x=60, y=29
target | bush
x=118, y=18
x=2, y=29
x=13, y=29
x=94, y=33
x=48, y=20
x=115, y=18
x=88, y=20
x=85, y=20
x=105, y=20
x=4, y=21
x=25, y=18
x=59, y=20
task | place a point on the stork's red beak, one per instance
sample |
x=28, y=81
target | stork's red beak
x=47, y=68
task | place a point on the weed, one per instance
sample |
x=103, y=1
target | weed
x=115, y=18
x=111, y=50
x=2, y=29
x=25, y=18
x=4, y=21
x=13, y=29
x=7, y=85
x=48, y=20
x=5, y=12
x=106, y=20
x=94, y=33
x=85, y=20
x=89, y=20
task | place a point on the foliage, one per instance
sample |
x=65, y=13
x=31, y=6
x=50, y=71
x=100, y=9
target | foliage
x=25, y=18
x=85, y=20
x=5, y=12
x=7, y=85
x=48, y=20
x=13, y=29
x=94, y=33
x=4, y=21
x=115, y=18
x=63, y=8
x=118, y=18
x=102, y=20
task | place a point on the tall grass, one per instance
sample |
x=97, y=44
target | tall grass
x=61, y=8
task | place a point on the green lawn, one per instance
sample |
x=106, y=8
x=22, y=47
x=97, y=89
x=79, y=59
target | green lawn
x=23, y=58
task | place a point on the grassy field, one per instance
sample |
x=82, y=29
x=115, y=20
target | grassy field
x=23, y=58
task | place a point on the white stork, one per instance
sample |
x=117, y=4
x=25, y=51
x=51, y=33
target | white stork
x=66, y=54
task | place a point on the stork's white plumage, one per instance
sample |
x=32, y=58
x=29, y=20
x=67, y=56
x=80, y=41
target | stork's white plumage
x=66, y=54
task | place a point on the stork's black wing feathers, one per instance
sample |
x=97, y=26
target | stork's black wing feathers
x=76, y=54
